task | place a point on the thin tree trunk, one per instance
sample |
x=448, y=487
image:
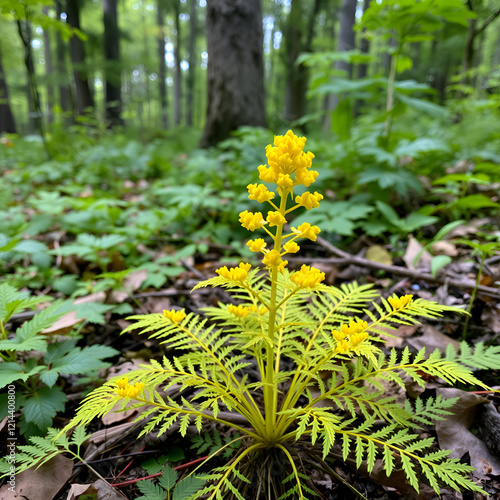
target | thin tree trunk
x=35, y=107
x=193, y=31
x=7, y=123
x=84, y=98
x=162, y=66
x=235, y=73
x=47, y=53
x=346, y=42
x=364, y=45
x=113, y=99
x=177, y=70
x=61, y=66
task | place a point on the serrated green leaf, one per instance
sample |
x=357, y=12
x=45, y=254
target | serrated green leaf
x=187, y=487
x=41, y=407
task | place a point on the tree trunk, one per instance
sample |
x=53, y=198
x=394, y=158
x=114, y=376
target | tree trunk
x=235, y=73
x=177, y=70
x=84, y=98
x=193, y=31
x=296, y=81
x=7, y=123
x=162, y=66
x=113, y=102
x=364, y=45
x=61, y=67
x=47, y=54
x=34, y=102
x=346, y=42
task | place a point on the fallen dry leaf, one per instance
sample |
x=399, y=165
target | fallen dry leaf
x=412, y=250
x=40, y=484
x=64, y=324
x=377, y=253
x=445, y=248
x=454, y=432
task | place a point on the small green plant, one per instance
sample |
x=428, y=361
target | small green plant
x=35, y=377
x=43, y=449
x=319, y=373
x=169, y=487
x=484, y=250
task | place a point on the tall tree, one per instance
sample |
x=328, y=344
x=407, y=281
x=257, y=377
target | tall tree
x=162, y=65
x=61, y=64
x=113, y=99
x=235, y=73
x=84, y=98
x=47, y=54
x=7, y=123
x=476, y=28
x=298, y=38
x=345, y=43
x=177, y=69
x=193, y=32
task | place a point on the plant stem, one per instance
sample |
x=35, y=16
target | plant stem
x=390, y=92
x=473, y=296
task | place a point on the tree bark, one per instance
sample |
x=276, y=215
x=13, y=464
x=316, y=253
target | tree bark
x=84, y=98
x=298, y=39
x=235, y=73
x=47, y=54
x=177, y=70
x=193, y=31
x=113, y=100
x=346, y=42
x=162, y=66
x=7, y=123
x=61, y=65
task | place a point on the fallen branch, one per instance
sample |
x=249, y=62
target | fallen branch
x=343, y=258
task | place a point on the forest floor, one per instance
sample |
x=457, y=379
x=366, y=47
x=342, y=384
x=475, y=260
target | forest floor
x=115, y=452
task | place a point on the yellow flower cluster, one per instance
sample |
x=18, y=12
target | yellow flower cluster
x=175, y=316
x=257, y=245
x=285, y=158
x=235, y=273
x=273, y=258
x=125, y=390
x=309, y=200
x=259, y=192
x=291, y=247
x=252, y=221
x=239, y=311
x=350, y=335
x=305, y=230
x=400, y=302
x=308, y=277
x=275, y=219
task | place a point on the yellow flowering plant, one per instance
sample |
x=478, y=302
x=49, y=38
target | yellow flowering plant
x=316, y=387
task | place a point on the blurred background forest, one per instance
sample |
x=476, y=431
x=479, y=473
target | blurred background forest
x=144, y=64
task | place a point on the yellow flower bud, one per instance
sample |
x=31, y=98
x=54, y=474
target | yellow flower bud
x=174, y=316
x=259, y=192
x=309, y=200
x=235, y=273
x=272, y=258
x=239, y=311
x=400, y=302
x=275, y=219
x=305, y=230
x=343, y=346
x=251, y=221
x=291, y=247
x=308, y=277
x=257, y=245
x=284, y=181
